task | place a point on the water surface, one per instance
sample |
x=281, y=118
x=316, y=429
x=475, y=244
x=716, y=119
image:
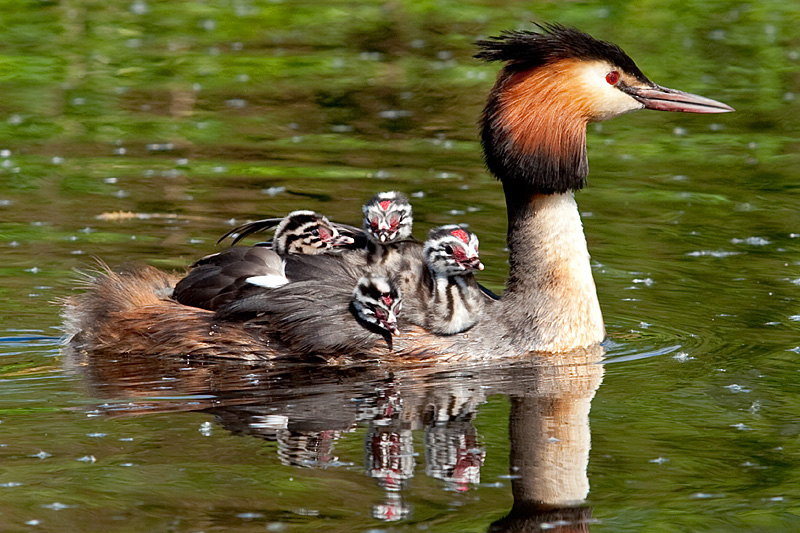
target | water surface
x=190, y=117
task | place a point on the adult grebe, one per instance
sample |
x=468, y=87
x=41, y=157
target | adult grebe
x=554, y=82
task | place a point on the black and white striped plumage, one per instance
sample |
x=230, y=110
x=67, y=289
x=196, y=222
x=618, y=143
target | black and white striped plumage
x=456, y=301
x=376, y=300
x=388, y=217
x=299, y=232
x=452, y=251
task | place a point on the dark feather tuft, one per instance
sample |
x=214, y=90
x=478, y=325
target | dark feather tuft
x=524, y=49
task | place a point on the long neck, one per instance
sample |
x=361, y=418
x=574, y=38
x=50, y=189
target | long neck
x=550, y=303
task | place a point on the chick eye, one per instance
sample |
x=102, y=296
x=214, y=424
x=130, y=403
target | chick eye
x=448, y=249
x=612, y=77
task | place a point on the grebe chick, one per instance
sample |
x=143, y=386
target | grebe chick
x=323, y=317
x=377, y=301
x=388, y=217
x=299, y=232
x=457, y=300
x=219, y=278
x=388, y=220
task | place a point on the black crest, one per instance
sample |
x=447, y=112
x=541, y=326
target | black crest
x=530, y=49
x=540, y=168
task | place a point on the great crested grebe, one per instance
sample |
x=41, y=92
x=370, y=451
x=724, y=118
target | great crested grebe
x=553, y=83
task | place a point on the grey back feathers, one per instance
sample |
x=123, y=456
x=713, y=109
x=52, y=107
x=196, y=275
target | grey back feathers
x=323, y=316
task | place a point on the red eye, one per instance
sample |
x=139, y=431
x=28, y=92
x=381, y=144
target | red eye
x=612, y=77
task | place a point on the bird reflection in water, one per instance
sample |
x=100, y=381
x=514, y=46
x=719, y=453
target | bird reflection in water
x=306, y=409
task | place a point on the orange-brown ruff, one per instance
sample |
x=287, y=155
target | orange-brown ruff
x=554, y=81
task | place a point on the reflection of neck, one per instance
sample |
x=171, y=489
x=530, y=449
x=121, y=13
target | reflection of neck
x=550, y=441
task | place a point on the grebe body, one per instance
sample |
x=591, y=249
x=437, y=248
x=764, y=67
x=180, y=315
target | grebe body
x=533, y=131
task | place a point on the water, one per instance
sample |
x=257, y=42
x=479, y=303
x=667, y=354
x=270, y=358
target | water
x=197, y=116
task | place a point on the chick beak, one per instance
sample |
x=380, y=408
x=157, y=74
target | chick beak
x=664, y=99
x=341, y=240
x=473, y=263
x=391, y=325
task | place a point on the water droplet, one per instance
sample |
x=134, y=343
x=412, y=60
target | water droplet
x=753, y=241
x=249, y=516
x=273, y=191
x=56, y=506
x=736, y=388
x=139, y=7
x=717, y=35
x=393, y=114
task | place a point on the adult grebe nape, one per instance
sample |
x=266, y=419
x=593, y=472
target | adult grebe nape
x=553, y=83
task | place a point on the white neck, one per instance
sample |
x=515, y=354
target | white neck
x=551, y=300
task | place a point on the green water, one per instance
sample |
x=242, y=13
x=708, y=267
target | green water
x=214, y=111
